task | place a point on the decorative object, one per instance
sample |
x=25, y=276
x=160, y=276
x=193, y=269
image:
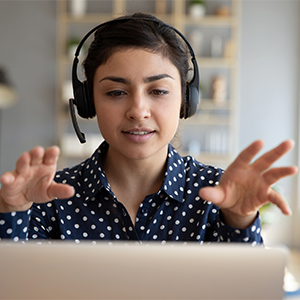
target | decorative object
x=197, y=9
x=78, y=7
x=196, y=40
x=229, y=49
x=7, y=92
x=223, y=11
x=161, y=7
x=219, y=89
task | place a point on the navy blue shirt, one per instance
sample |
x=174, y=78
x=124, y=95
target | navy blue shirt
x=174, y=213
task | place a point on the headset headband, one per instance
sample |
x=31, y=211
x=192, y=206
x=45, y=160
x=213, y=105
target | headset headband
x=192, y=92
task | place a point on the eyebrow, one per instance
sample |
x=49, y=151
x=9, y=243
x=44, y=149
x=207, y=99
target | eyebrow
x=157, y=77
x=146, y=80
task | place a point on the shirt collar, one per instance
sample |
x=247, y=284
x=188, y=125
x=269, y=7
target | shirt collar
x=93, y=169
x=173, y=184
x=174, y=181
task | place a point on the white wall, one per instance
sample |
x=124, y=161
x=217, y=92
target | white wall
x=28, y=52
x=269, y=88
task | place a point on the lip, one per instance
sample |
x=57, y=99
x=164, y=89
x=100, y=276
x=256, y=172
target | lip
x=138, y=134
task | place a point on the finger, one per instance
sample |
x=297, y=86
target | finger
x=51, y=155
x=278, y=200
x=7, y=178
x=36, y=156
x=215, y=194
x=265, y=161
x=246, y=156
x=60, y=190
x=23, y=163
x=273, y=175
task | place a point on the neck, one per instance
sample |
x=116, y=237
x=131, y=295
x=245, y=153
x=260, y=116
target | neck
x=132, y=180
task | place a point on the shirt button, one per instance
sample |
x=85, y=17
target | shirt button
x=144, y=211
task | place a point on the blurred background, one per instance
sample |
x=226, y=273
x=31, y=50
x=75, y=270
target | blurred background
x=249, y=63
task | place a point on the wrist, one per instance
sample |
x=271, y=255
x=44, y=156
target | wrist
x=5, y=208
x=237, y=221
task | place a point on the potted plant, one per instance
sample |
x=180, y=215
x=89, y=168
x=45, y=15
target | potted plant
x=197, y=8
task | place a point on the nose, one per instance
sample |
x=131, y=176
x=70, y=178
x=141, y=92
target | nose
x=138, y=107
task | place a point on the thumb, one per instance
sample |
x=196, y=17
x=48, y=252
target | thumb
x=215, y=194
x=61, y=191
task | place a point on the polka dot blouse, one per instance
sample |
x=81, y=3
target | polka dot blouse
x=174, y=213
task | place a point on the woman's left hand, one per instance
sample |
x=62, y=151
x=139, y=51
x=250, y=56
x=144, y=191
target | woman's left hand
x=246, y=186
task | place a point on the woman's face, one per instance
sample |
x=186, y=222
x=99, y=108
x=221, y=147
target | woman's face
x=137, y=97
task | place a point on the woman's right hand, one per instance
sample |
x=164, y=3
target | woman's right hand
x=32, y=181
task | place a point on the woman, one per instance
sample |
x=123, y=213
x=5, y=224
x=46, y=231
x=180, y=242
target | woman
x=136, y=186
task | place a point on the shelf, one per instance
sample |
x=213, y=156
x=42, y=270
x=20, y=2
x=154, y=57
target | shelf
x=201, y=119
x=212, y=119
x=89, y=18
x=209, y=104
x=209, y=62
x=211, y=21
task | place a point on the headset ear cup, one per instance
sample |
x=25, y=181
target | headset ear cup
x=85, y=106
x=192, y=102
x=185, y=105
x=89, y=102
x=79, y=100
x=192, y=92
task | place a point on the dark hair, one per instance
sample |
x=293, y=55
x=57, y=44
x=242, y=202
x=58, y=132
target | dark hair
x=139, y=30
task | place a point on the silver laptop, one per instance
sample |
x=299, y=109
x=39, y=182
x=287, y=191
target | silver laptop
x=130, y=271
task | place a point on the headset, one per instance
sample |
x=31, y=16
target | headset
x=84, y=103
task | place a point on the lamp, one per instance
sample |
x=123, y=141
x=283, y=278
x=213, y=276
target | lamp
x=7, y=92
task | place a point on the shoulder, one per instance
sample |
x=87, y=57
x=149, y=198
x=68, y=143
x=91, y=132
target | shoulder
x=194, y=170
x=186, y=174
x=85, y=170
x=206, y=173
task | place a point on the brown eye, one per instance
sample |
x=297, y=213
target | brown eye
x=159, y=92
x=116, y=93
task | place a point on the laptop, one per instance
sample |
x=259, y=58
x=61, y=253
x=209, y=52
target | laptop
x=63, y=270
